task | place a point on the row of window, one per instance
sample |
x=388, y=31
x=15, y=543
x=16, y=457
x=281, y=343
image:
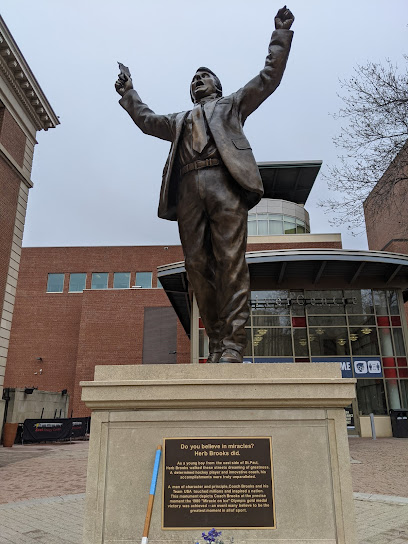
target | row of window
x=323, y=323
x=99, y=280
x=263, y=224
x=336, y=325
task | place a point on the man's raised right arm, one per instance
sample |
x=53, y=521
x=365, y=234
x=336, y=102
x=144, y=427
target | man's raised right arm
x=148, y=121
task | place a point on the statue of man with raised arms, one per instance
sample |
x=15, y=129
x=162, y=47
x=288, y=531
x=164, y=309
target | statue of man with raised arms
x=210, y=181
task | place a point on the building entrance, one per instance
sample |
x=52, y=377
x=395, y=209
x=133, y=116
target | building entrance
x=362, y=329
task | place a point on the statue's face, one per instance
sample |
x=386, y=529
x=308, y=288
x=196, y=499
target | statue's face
x=202, y=85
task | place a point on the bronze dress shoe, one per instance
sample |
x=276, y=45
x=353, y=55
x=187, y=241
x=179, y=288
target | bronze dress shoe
x=214, y=357
x=230, y=356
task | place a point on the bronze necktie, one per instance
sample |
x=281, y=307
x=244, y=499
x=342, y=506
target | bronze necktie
x=200, y=138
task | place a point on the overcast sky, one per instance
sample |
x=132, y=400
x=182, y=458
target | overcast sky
x=97, y=177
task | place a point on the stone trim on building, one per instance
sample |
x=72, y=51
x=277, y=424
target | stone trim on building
x=12, y=276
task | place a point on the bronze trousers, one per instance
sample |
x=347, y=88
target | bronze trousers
x=212, y=220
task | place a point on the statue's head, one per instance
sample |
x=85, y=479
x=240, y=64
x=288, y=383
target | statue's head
x=204, y=83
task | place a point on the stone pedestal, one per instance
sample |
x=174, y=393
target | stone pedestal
x=300, y=406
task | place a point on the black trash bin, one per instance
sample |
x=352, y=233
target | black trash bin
x=399, y=423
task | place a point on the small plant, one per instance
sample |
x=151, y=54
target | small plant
x=212, y=537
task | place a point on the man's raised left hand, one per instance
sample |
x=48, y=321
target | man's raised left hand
x=284, y=18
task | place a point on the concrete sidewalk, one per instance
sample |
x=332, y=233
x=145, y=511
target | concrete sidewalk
x=42, y=492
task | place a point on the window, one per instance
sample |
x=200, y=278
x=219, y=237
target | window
x=262, y=227
x=275, y=227
x=272, y=342
x=404, y=392
x=364, y=343
x=77, y=282
x=121, y=280
x=371, y=397
x=248, y=349
x=263, y=224
x=300, y=342
x=289, y=225
x=159, y=285
x=55, y=283
x=99, y=280
x=252, y=226
x=144, y=280
x=398, y=341
x=329, y=341
x=203, y=344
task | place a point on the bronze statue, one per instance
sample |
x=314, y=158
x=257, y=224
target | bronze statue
x=210, y=181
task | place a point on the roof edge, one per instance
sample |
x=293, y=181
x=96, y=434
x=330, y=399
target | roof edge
x=303, y=254
x=23, y=82
x=289, y=164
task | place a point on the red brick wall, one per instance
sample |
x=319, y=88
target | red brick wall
x=11, y=136
x=300, y=245
x=387, y=229
x=9, y=188
x=73, y=332
x=399, y=245
x=47, y=326
x=183, y=346
x=111, y=332
x=37, y=262
x=386, y=208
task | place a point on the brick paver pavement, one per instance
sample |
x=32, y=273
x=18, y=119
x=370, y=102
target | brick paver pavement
x=34, y=471
x=57, y=474
x=383, y=466
x=56, y=520
x=381, y=523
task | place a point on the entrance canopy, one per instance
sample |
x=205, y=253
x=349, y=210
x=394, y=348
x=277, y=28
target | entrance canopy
x=300, y=269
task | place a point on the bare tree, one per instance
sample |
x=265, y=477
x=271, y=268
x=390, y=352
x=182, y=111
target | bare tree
x=372, y=141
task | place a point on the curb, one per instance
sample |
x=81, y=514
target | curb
x=389, y=499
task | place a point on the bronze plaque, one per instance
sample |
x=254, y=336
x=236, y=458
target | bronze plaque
x=218, y=482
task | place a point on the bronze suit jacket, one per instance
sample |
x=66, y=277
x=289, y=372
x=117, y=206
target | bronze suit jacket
x=225, y=116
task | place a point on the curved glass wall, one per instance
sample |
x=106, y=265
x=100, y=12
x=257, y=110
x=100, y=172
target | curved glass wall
x=273, y=216
x=264, y=224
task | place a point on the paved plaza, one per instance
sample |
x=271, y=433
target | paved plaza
x=42, y=492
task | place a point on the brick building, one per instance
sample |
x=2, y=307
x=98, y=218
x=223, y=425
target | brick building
x=24, y=110
x=386, y=208
x=386, y=218
x=63, y=327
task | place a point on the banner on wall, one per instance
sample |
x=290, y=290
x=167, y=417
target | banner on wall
x=364, y=367
x=41, y=430
x=80, y=426
x=367, y=367
x=345, y=364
